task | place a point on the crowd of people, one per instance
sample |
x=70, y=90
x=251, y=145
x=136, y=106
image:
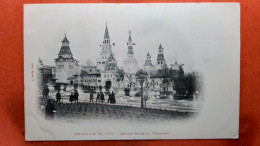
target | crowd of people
x=101, y=97
x=50, y=108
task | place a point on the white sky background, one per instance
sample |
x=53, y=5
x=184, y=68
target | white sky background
x=186, y=32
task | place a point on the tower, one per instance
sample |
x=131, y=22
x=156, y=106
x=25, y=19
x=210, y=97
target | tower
x=160, y=62
x=106, y=51
x=107, y=64
x=130, y=63
x=66, y=66
x=148, y=63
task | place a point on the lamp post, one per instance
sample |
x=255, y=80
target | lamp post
x=141, y=76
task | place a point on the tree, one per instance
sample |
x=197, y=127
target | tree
x=152, y=83
x=141, y=76
x=130, y=79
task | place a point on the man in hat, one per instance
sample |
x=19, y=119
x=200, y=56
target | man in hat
x=58, y=96
x=76, y=96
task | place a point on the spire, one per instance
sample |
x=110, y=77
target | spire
x=148, y=54
x=160, y=47
x=65, y=49
x=106, y=36
x=130, y=38
x=40, y=61
x=148, y=61
x=65, y=39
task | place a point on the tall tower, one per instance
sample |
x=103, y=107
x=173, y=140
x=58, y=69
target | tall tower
x=148, y=63
x=106, y=51
x=160, y=62
x=130, y=63
x=66, y=66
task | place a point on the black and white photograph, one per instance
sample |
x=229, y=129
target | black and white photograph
x=131, y=71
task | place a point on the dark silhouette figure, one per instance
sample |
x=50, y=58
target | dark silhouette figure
x=43, y=91
x=47, y=92
x=113, y=98
x=71, y=97
x=91, y=97
x=58, y=97
x=98, y=97
x=76, y=96
x=102, y=97
x=49, y=110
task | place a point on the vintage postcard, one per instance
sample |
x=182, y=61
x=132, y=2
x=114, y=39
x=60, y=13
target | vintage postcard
x=131, y=71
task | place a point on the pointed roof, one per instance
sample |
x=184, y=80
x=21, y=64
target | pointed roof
x=111, y=57
x=40, y=61
x=106, y=36
x=129, y=38
x=65, y=49
x=65, y=39
x=148, y=54
x=160, y=47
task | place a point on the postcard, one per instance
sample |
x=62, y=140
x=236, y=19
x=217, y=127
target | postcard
x=131, y=71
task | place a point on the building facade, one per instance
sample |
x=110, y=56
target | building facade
x=66, y=66
x=107, y=64
x=130, y=63
x=148, y=66
x=45, y=74
x=160, y=62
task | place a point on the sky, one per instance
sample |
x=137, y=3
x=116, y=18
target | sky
x=187, y=32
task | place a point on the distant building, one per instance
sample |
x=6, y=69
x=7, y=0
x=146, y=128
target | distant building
x=106, y=51
x=107, y=64
x=160, y=62
x=148, y=66
x=66, y=66
x=45, y=73
x=130, y=63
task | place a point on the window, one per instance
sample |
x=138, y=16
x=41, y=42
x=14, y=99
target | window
x=99, y=80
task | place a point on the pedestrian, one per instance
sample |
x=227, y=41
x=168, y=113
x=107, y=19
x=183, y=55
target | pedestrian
x=43, y=91
x=71, y=97
x=47, y=91
x=76, y=96
x=102, y=97
x=109, y=100
x=49, y=110
x=113, y=98
x=58, y=96
x=91, y=97
x=98, y=97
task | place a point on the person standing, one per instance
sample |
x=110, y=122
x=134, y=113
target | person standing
x=113, y=98
x=109, y=100
x=98, y=97
x=71, y=97
x=49, y=110
x=47, y=91
x=58, y=96
x=43, y=91
x=91, y=97
x=102, y=97
x=76, y=96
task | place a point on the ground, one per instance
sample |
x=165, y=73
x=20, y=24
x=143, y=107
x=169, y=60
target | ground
x=86, y=110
